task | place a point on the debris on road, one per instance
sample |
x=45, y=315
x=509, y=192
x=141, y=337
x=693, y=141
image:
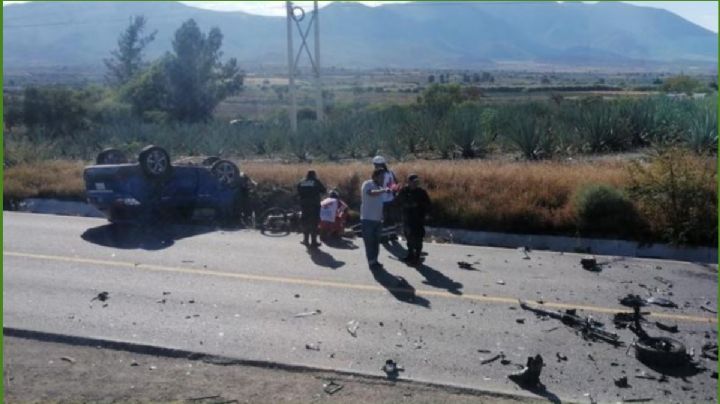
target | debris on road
x=661, y=301
x=308, y=313
x=466, y=265
x=705, y=308
x=102, y=296
x=161, y=301
x=645, y=375
x=530, y=375
x=391, y=368
x=589, y=263
x=332, y=387
x=622, y=382
x=493, y=359
x=203, y=398
x=636, y=400
x=520, y=321
x=669, y=328
x=134, y=363
x=710, y=351
x=633, y=300
x=500, y=282
x=166, y=293
x=68, y=359
x=661, y=351
x=312, y=347
x=352, y=327
x=561, y=357
x=624, y=319
x=589, y=328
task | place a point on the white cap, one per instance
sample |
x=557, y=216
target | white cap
x=378, y=160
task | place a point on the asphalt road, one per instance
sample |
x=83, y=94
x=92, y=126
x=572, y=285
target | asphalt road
x=238, y=293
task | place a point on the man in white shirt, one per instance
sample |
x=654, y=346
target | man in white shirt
x=371, y=215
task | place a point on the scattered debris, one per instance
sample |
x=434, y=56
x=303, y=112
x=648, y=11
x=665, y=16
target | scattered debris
x=134, y=363
x=493, y=359
x=352, y=327
x=661, y=301
x=703, y=307
x=191, y=301
x=466, y=265
x=166, y=293
x=530, y=374
x=589, y=263
x=622, y=382
x=710, y=351
x=161, y=301
x=551, y=330
x=633, y=300
x=636, y=400
x=297, y=296
x=102, y=296
x=391, y=368
x=500, y=282
x=520, y=321
x=589, y=328
x=332, y=387
x=308, y=313
x=664, y=281
x=484, y=351
x=660, y=351
x=68, y=359
x=669, y=328
x=561, y=357
x=625, y=319
x=645, y=375
x=203, y=398
x=505, y=362
x=312, y=347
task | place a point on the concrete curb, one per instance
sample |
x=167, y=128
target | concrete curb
x=154, y=350
x=573, y=244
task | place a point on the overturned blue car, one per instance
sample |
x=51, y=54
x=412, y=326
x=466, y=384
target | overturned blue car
x=154, y=187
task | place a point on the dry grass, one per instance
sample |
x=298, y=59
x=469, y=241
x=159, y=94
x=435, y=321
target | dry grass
x=524, y=197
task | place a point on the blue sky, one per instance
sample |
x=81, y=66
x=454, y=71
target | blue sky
x=703, y=13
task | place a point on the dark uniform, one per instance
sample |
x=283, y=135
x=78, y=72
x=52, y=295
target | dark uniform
x=415, y=204
x=310, y=190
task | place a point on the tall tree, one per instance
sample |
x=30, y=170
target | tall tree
x=197, y=78
x=127, y=59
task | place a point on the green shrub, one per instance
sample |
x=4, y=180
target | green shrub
x=603, y=210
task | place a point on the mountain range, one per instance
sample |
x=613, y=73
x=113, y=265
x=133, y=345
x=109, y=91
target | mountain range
x=410, y=35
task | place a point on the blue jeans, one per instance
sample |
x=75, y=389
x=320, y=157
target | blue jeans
x=371, y=237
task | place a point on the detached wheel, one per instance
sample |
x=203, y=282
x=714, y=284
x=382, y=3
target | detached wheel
x=226, y=172
x=154, y=161
x=110, y=156
x=661, y=351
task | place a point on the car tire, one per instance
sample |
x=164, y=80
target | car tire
x=661, y=351
x=154, y=161
x=226, y=172
x=110, y=156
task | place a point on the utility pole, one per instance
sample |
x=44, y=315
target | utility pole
x=295, y=15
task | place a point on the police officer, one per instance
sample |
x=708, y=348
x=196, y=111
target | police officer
x=310, y=191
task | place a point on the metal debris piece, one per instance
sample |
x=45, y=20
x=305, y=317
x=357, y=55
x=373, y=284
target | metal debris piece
x=669, y=328
x=166, y=293
x=703, y=307
x=589, y=328
x=308, y=313
x=484, y=350
x=710, y=351
x=312, y=347
x=203, y=398
x=161, y=301
x=636, y=400
x=661, y=301
x=134, y=363
x=352, y=327
x=520, y=321
x=68, y=359
x=644, y=375
x=561, y=357
x=622, y=382
x=466, y=265
x=332, y=387
x=551, y=330
x=589, y=262
x=493, y=359
x=505, y=362
x=102, y=296
x=500, y=282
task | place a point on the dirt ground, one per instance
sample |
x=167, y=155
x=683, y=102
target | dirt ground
x=36, y=371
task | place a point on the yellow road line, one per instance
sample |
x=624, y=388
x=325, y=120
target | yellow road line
x=341, y=285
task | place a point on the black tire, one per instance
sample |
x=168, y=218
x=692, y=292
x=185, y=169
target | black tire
x=210, y=161
x=661, y=351
x=155, y=162
x=111, y=156
x=275, y=221
x=226, y=172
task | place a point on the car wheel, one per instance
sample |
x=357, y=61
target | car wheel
x=110, y=156
x=274, y=221
x=661, y=351
x=226, y=172
x=155, y=161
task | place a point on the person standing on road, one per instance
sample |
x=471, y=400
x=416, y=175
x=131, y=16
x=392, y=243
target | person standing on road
x=415, y=204
x=371, y=215
x=310, y=191
x=389, y=181
x=245, y=185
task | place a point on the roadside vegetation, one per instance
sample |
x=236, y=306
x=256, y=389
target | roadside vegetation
x=527, y=164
